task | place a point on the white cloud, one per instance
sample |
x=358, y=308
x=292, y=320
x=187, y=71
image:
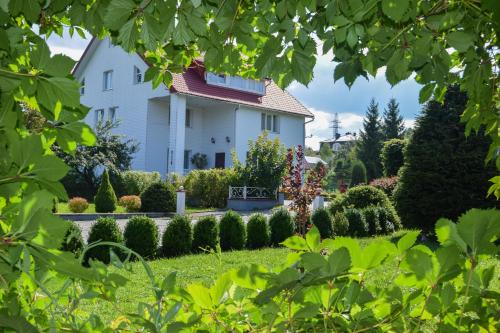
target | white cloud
x=409, y=123
x=74, y=53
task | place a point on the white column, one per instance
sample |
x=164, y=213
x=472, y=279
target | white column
x=181, y=201
x=177, y=133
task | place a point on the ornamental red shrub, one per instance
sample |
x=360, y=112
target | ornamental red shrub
x=386, y=184
x=132, y=203
x=78, y=204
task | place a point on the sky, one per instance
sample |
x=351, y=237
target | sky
x=322, y=96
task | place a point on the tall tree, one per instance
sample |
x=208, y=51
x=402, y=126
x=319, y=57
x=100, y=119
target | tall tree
x=393, y=127
x=369, y=145
x=326, y=153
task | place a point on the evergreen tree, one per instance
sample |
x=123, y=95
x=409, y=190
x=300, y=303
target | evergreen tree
x=105, y=199
x=326, y=153
x=358, y=173
x=393, y=127
x=370, y=142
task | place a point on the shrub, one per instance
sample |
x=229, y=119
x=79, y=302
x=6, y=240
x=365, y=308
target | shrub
x=199, y=160
x=78, y=205
x=208, y=188
x=132, y=203
x=385, y=220
x=105, y=199
x=444, y=173
x=158, y=197
x=205, y=234
x=358, y=173
x=336, y=205
x=73, y=240
x=371, y=215
x=137, y=181
x=340, y=224
x=322, y=220
x=231, y=232
x=386, y=184
x=257, y=232
x=357, y=223
x=104, y=230
x=76, y=186
x=392, y=156
x=178, y=237
x=281, y=226
x=141, y=235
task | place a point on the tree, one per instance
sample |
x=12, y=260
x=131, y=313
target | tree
x=105, y=199
x=369, y=144
x=444, y=173
x=358, y=173
x=326, y=153
x=392, y=156
x=393, y=125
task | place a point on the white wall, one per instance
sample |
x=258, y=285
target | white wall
x=157, y=134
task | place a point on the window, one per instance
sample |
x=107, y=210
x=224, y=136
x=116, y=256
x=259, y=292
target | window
x=82, y=87
x=219, y=79
x=98, y=116
x=137, y=75
x=112, y=114
x=188, y=118
x=187, y=155
x=236, y=82
x=107, y=80
x=270, y=122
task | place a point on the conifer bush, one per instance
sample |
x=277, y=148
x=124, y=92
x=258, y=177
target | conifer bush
x=205, y=234
x=281, y=226
x=232, y=233
x=392, y=156
x=371, y=215
x=385, y=219
x=357, y=223
x=105, y=229
x=158, y=197
x=73, y=240
x=323, y=221
x=105, y=198
x=340, y=224
x=358, y=173
x=141, y=235
x=257, y=232
x=178, y=237
x=77, y=205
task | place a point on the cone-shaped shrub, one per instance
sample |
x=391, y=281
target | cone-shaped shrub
x=205, y=234
x=158, y=197
x=357, y=223
x=281, y=226
x=322, y=220
x=257, y=232
x=105, y=199
x=73, y=240
x=178, y=237
x=104, y=230
x=371, y=215
x=358, y=174
x=141, y=235
x=231, y=232
x=340, y=224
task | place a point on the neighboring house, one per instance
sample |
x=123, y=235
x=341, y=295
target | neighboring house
x=202, y=112
x=335, y=144
x=311, y=161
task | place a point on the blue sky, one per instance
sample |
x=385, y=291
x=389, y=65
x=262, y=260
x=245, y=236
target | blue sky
x=322, y=96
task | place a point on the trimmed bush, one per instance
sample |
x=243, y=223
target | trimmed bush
x=385, y=220
x=371, y=215
x=336, y=205
x=232, y=232
x=257, y=232
x=132, y=203
x=104, y=230
x=136, y=182
x=208, y=188
x=205, y=234
x=357, y=223
x=322, y=220
x=105, y=199
x=178, y=237
x=141, y=235
x=358, y=173
x=78, y=205
x=281, y=226
x=392, y=156
x=340, y=224
x=73, y=240
x=158, y=197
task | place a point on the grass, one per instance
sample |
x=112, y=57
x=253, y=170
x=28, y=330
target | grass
x=62, y=208
x=191, y=210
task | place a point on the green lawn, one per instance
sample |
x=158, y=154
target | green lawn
x=62, y=207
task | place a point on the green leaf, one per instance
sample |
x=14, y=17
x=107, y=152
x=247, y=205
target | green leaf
x=426, y=93
x=306, y=311
x=30, y=8
x=51, y=230
x=312, y=261
x=460, y=41
x=313, y=238
x=352, y=37
x=479, y=229
x=200, y=295
x=407, y=240
x=128, y=35
x=16, y=323
x=118, y=13
x=447, y=234
x=352, y=246
x=74, y=133
x=49, y=167
x=339, y=261
x=62, y=262
x=395, y=9
x=303, y=61
x=220, y=288
x=57, y=92
x=250, y=277
x=376, y=252
x=59, y=65
x=295, y=243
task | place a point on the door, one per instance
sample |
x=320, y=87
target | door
x=220, y=160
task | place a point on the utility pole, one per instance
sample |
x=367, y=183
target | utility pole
x=335, y=126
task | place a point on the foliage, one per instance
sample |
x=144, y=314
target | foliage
x=392, y=156
x=73, y=240
x=386, y=184
x=444, y=173
x=393, y=126
x=325, y=152
x=372, y=219
x=265, y=163
x=158, y=197
x=137, y=181
x=132, y=203
x=358, y=227
x=280, y=226
x=385, y=217
x=302, y=192
x=369, y=144
x=209, y=188
x=105, y=229
x=358, y=173
x=141, y=236
x=205, y=234
x=257, y=231
x=199, y=160
x=323, y=221
x=178, y=237
x=78, y=205
x=340, y=224
x=232, y=232
x=175, y=179
x=105, y=198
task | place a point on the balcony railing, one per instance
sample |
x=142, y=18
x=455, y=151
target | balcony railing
x=248, y=192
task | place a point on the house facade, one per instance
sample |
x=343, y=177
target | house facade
x=201, y=112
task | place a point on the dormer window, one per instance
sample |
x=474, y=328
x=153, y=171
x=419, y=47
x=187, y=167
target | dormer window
x=236, y=83
x=137, y=75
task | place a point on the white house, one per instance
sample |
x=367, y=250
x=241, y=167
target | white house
x=201, y=113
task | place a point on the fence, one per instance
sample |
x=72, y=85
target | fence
x=248, y=192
